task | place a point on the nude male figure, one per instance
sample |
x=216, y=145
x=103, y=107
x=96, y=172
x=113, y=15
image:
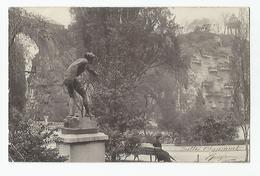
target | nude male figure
x=71, y=82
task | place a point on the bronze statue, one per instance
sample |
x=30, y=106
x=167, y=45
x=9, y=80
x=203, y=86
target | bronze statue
x=73, y=85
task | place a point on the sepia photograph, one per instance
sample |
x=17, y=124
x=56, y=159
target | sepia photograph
x=129, y=84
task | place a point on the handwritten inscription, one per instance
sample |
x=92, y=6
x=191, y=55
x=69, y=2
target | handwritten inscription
x=223, y=153
x=216, y=157
x=213, y=148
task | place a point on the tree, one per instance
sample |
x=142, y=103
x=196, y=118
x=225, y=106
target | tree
x=184, y=121
x=161, y=87
x=28, y=141
x=225, y=17
x=123, y=60
x=17, y=84
x=240, y=63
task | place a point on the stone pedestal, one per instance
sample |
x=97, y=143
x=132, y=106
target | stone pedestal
x=83, y=142
x=84, y=147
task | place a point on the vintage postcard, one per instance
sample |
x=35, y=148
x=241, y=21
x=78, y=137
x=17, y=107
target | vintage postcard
x=129, y=84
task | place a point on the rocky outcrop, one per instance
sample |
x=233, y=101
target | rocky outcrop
x=209, y=67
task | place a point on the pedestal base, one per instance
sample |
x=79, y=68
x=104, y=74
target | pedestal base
x=76, y=125
x=84, y=147
x=65, y=130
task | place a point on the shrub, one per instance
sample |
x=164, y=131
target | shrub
x=213, y=129
x=31, y=142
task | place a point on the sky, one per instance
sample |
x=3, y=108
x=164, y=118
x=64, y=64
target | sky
x=189, y=14
x=61, y=15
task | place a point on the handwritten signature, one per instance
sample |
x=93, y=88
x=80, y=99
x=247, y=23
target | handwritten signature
x=213, y=148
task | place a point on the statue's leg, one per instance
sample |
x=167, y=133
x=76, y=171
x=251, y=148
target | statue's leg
x=71, y=106
x=81, y=91
x=69, y=85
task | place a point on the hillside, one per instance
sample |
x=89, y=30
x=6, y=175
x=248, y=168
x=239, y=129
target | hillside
x=209, y=56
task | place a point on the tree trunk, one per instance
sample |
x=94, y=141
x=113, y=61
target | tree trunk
x=247, y=151
x=246, y=141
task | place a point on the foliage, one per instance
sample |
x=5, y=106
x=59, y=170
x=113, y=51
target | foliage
x=157, y=92
x=240, y=65
x=39, y=31
x=31, y=142
x=17, y=82
x=197, y=23
x=124, y=60
x=241, y=79
x=178, y=124
x=214, y=129
x=198, y=125
x=28, y=141
x=51, y=64
x=17, y=85
x=121, y=144
x=44, y=84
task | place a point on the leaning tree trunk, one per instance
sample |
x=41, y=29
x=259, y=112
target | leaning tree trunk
x=247, y=151
x=246, y=141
